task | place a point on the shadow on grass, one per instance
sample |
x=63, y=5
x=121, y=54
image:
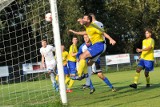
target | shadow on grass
x=122, y=91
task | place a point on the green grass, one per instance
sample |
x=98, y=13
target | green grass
x=40, y=93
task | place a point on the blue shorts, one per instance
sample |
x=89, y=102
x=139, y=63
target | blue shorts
x=72, y=67
x=147, y=65
x=66, y=71
x=96, y=50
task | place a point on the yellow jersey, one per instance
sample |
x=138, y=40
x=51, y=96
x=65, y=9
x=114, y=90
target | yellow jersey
x=148, y=55
x=72, y=49
x=64, y=57
x=94, y=33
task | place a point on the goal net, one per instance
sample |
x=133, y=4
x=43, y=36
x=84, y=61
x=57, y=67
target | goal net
x=22, y=27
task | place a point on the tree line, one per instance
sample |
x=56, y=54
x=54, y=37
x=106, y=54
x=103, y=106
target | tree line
x=22, y=25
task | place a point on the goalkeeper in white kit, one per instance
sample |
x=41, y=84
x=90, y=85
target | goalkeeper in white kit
x=48, y=61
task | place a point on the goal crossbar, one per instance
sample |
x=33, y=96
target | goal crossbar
x=5, y=3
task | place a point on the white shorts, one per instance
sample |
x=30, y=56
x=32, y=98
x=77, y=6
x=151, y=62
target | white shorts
x=51, y=65
x=94, y=69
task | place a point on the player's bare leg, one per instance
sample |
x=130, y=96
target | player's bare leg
x=146, y=73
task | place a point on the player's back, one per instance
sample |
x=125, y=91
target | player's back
x=148, y=55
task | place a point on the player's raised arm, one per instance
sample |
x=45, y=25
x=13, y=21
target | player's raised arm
x=113, y=42
x=78, y=33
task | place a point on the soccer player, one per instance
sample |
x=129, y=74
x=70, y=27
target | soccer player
x=72, y=62
x=96, y=66
x=65, y=59
x=146, y=59
x=98, y=45
x=82, y=49
x=48, y=60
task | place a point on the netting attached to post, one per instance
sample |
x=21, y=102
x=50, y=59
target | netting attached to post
x=22, y=27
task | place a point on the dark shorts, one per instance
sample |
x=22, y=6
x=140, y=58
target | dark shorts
x=72, y=67
x=96, y=50
x=147, y=65
x=66, y=71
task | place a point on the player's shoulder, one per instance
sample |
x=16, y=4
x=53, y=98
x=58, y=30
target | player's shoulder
x=50, y=46
x=71, y=45
x=65, y=52
x=41, y=49
x=98, y=22
x=151, y=39
x=82, y=45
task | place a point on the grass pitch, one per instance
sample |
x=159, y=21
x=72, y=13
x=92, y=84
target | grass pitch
x=41, y=94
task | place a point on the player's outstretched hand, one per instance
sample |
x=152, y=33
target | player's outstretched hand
x=70, y=30
x=80, y=20
x=138, y=50
x=112, y=42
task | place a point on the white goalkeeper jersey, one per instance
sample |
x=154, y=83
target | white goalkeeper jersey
x=47, y=52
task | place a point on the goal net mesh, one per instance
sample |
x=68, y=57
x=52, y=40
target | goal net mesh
x=22, y=27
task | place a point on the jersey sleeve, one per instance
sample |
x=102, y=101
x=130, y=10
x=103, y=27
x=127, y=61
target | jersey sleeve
x=70, y=49
x=79, y=51
x=53, y=48
x=66, y=55
x=41, y=51
x=152, y=43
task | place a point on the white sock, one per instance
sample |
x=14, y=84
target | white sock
x=89, y=75
x=52, y=78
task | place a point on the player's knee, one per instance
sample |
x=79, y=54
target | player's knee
x=138, y=70
x=146, y=74
x=90, y=63
x=71, y=75
x=100, y=75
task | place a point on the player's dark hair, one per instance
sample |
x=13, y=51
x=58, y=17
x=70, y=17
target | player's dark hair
x=44, y=40
x=63, y=45
x=74, y=37
x=148, y=29
x=89, y=17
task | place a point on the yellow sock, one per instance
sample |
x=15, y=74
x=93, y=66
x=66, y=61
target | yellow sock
x=56, y=78
x=71, y=82
x=136, y=78
x=67, y=79
x=148, y=80
x=82, y=64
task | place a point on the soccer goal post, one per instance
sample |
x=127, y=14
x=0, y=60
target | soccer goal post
x=4, y=3
x=56, y=33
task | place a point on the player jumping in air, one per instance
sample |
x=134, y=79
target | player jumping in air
x=48, y=60
x=96, y=66
x=72, y=62
x=98, y=45
x=146, y=59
